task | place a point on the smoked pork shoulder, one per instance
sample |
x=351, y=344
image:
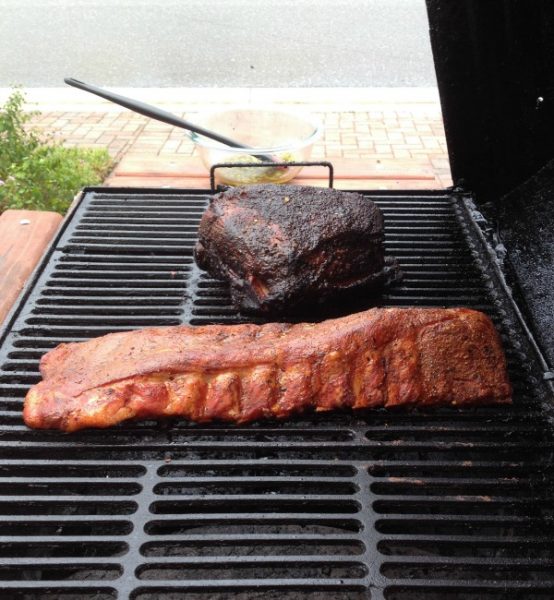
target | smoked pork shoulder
x=283, y=248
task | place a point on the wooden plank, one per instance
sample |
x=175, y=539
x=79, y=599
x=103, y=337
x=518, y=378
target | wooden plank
x=24, y=235
x=345, y=168
x=137, y=181
x=340, y=184
x=370, y=184
x=160, y=166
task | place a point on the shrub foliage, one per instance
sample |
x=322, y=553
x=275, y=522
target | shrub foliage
x=37, y=172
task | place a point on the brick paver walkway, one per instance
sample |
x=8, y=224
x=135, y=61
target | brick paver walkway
x=401, y=131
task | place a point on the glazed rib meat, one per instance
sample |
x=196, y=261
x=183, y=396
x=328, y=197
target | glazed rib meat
x=286, y=247
x=377, y=358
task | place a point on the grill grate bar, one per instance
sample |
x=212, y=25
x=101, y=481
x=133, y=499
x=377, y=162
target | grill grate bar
x=347, y=467
x=411, y=518
x=105, y=275
x=245, y=537
x=283, y=447
x=94, y=310
x=139, y=228
x=482, y=561
x=67, y=480
x=466, y=499
x=213, y=561
x=90, y=320
x=66, y=540
x=477, y=586
x=453, y=540
x=281, y=517
x=90, y=237
x=80, y=499
x=89, y=587
x=139, y=220
x=308, y=584
x=135, y=303
x=123, y=263
x=61, y=519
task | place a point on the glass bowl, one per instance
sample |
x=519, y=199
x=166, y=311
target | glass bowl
x=283, y=136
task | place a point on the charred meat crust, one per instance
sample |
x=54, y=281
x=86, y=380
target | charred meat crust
x=282, y=247
x=377, y=358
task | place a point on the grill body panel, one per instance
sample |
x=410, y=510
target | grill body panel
x=396, y=505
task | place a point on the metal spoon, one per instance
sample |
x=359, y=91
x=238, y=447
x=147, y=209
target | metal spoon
x=160, y=115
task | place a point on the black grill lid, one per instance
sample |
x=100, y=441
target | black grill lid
x=381, y=504
x=494, y=63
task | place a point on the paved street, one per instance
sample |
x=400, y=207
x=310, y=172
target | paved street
x=223, y=43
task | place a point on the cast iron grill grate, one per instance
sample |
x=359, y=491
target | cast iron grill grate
x=439, y=504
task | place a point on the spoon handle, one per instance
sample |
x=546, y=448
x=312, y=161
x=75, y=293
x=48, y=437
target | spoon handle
x=151, y=111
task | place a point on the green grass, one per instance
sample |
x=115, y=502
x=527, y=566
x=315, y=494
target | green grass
x=37, y=173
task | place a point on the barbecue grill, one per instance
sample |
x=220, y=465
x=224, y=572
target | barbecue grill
x=388, y=505
x=382, y=504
